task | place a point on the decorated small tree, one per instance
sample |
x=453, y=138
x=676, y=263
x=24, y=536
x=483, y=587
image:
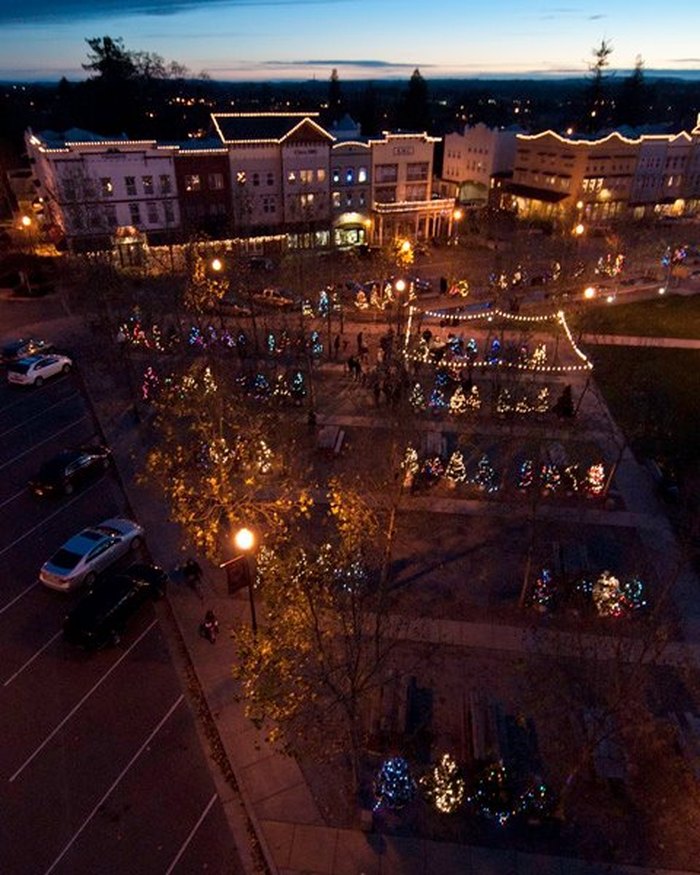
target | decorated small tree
x=544, y=590
x=608, y=596
x=433, y=468
x=505, y=402
x=526, y=474
x=437, y=402
x=456, y=471
x=149, y=387
x=417, y=398
x=410, y=466
x=550, y=478
x=444, y=786
x=542, y=400
x=538, y=359
x=473, y=399
x=485, y=477
x=394, y=786
x=492, y=797
x=595, y=479
x=458, y=402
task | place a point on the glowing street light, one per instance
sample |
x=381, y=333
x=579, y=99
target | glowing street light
x=458, y=215
x=244, y=540
x=217, y=264
x=579, y=229
x=589, y=293
x=400, y=285
x=26, y=221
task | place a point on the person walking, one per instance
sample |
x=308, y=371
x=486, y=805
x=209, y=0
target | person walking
x=209, y=627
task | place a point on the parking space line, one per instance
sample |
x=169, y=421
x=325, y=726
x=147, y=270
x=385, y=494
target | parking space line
x=18, y=597
x=12, y=497
x=31, y=660
x=35, y=391
x=49, y=517
x=77, y=707
x=183, y=846
x=115, y=783
x=45, y=441
x=41, y=413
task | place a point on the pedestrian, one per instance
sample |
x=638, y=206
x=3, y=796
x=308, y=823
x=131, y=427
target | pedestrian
x=192, y=572
x=360, y=342
x=359, y=372
x=351, y=366
x=209, y=627
x=336, y=346
x=443, y=285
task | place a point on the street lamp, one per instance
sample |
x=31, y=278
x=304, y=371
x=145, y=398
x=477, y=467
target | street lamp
x=217, y=265
x=238, y=571
x=589, y=293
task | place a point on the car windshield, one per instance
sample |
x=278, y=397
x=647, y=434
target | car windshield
x=65, y=559
x=20, y=368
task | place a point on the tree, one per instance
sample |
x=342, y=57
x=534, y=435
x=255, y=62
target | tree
x=336, y=104
x=596, y=88
x=632, y=96
x=415, y=115
x=323, y=644
x=109, y=61
x=212, y=461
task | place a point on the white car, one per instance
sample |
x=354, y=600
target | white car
x=87, y=554
x=33, y=370
x=273, y=298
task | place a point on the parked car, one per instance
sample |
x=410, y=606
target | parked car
x=24, y=347
x=231, y=308
x=273, y=298
x=100, y=617
x=33, y=370
x=89, y=553
x=70, y=469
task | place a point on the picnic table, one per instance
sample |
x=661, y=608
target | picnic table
x=330, y=439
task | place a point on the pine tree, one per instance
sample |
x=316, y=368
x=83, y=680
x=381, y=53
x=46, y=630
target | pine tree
x=608, y=596
x=335, y=97
x=485, y=476
x=415, y=115
x=474, y=399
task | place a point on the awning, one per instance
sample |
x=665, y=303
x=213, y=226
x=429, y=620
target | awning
x=534, y=194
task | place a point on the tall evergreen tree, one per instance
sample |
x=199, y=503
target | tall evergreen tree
x=336, y=104
x=415, y=115
x=595, y=104
x=632, y=96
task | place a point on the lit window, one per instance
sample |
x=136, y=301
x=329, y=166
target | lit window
x=349, y=176
x=107, y=187
x=348, y=199
x=306, y=176
x=215, y=181
x=336, y=198
x=193, y=182
x=336, y=174
x=321, y=174
x=291, y=176
x=307, y=200
x=130, y=182
x=361, y=198
x=240, y=177
x=362, y=174
x=135, y=213
x=147, y=182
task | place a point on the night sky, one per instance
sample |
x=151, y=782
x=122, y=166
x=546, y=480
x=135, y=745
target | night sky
x=288, y=39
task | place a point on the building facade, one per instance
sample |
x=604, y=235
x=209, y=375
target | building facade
x=203, y=179
x=471, y=160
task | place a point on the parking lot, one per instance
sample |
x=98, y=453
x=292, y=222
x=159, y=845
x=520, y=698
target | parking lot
x=95, y=746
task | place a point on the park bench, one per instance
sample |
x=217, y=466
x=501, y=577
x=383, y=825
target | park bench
x=330, y=440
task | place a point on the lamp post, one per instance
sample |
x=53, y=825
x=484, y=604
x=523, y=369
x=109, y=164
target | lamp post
x=238, y=571
x=457, y=217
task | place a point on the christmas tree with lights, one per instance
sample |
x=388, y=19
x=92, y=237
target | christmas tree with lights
x=458, y=402
x=485, y=477
x=526, y=474
x=456, y=471
x=505, y=402
x=443, y=785
x=394, y=786
x=595, y=479
x=473, y=399
x=149, y=387
x=417, y=398
x=410, y=465
x=492, y=796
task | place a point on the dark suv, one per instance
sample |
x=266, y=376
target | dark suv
x=100, y=618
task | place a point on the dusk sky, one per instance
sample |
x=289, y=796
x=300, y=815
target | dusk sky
x=289, y=39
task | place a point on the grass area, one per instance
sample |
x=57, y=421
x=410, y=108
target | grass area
x=673, y=316
x=653, y=395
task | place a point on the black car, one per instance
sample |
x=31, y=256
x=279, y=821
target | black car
x=24, y=347
x=100, y=618
x=70, y=469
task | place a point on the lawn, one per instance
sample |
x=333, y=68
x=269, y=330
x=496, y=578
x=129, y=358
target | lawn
x=673, y=316
x=653, y=394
